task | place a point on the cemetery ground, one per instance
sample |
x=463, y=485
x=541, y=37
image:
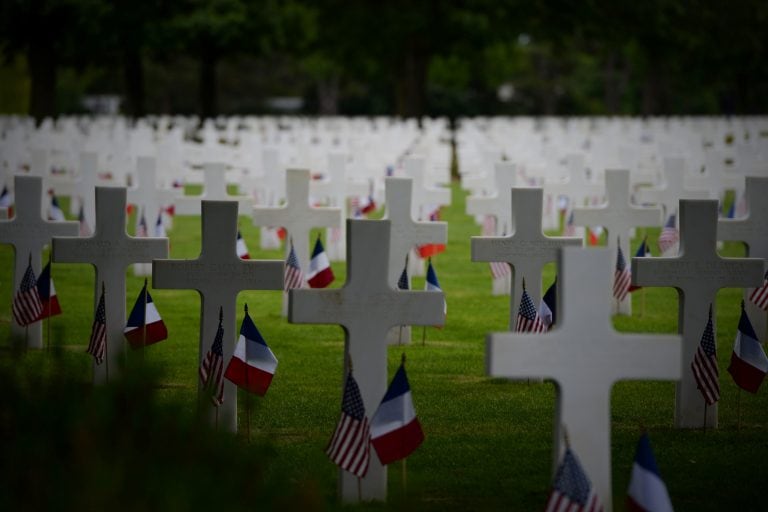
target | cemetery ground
x=488, y=441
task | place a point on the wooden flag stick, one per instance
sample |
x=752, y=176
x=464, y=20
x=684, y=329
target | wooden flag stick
x=248, y=395
x=405, y=475
x=424, y=336
x=738, y=411
x=705, y=416
x=106, y=345
x=48, y=319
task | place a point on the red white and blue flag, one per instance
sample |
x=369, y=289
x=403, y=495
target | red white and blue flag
x=55, y=213
x=241, y=248
x=141, y=226
x=748, y=361
x=759, y=295
x=97, y=345
x=85, y=229
x=647, y=492
x=293, y=277
x=622, y=277
x=6, y=199
x=395, y=429
x=144, y=326
x=433, y=285
x=212, y=366
x=548, y=306
x=320, y=273
x=669, y=238
x=644, y=251
x=527, y=317
x=27, y=306
x=350, y=445
x=704, y=365
x=160, y=227
x=572, y=490
x=47, y=294
x=253, y=364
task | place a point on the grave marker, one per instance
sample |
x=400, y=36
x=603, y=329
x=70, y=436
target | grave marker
x=29, y=232
x=367, y=306
x=669, y=195
x=697, y=272
x=585, y=356
x=214, y=189
x=110, y=250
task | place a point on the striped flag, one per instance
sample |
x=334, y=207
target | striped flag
x=97, y=346
x=253, y=364
x=749, y=364
x=572, y=489
x=527, y=317
x=241, y=248
x=647, y=492
x=432, y=284
x=212, y=367
x=55, y=212
x=294, y=277
x=6, y=199
x=570, y=228
x=759, y=296
x=47, y=293
x=669, y=237
x=548, y=306
x=622, y=277
x=350, y=445
x=704, y=365
x=85, y=229
x=160, y=226
x=320, y=273
x=144, y=326
x=27, y=306
x=141, y=226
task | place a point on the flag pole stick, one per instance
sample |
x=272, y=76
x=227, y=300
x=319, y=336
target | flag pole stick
x=424, y=336
x=106, y=341
x=144, y=327
x=738, y=411
x=705, y=416
x=400, y=337
x=248, y=395
x=48, y=319
x=405, y=476
x=359, y=489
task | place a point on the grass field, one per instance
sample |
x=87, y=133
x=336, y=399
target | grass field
x=488, y=441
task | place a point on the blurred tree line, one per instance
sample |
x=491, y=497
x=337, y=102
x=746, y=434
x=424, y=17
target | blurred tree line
x=394, y=57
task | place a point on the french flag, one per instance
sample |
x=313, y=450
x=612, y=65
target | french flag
x=395, y=430
x=47, y=294
x=144, y=319
x=241, y=248
x=253, y=364
x=748, y=361
x=320, y=272
x=647, y=492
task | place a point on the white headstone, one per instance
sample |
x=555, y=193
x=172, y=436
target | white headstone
x=618, y=216
x=367, y=306
x=527, y=250
x=29, y=233
x=83, y=195
x=753, y=231
x=219, y=275
x=668, y=196
x=110, y=250
x=585, y=356
x=697, y=272
x=214, y=189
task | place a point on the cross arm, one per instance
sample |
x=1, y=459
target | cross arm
x=268, y=216
x=646, y=357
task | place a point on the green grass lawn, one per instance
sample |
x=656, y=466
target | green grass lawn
x=488, y=441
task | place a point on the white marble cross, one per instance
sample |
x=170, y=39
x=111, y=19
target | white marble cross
x=498, y=204
x=367, y=306
x=218, y=275
x=618, y=216
x=527, y=250
x=753, y=231
x=585, y=356
x=214, y=189
x=110, y=250
x=82, y=193
x=424, y=195
x=697, y=272
x=578, y=188
x=668, y=196
x=28, y=231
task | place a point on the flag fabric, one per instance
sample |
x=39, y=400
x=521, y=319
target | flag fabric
x=6, y=198
x=669, y=237
x=141, y=226
x=85, y=229
x=212, y=366
x=594, y=235
x=27, y=306
x=320, y=272
x=570, y=227
x=55, y=212
x=548, y=306
x=159, y=231
x=402, y=283
x=622, y=277
x=498, y=268
x=47, y=293
x=429, y=250
x=395, y=429
x=241, y=248
x=527, y=317
x=704, y=365
x=433, y=285
x=647, y=492
x=748, y=361
x=572, y=489
x=97, y=346
x=644, y=251
x=253, y=364
x=293, y=277
x=144, y=327
x=350, y=445
x=759, y=295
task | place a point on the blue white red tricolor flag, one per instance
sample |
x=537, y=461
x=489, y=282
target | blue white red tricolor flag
x=55, y=212
x=320, y=273
x=572, y=489
x=253, y=364
x=548, y=306
x=748, y=361
x=47, y=293
x=160, y=226
x=395, y=429
x=350, y=445
x=241, y=248
x=144, y=326
x=432, y=284
x=647, y=492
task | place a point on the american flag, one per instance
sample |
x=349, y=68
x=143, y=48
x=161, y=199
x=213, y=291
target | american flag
x=669, y=236
x=350, y=446
x=27, y=305
x=294, y=277
x=759, y=295
x=141, y=226
x=621, y=278
x=572, y=489
x=159, y=226
x=498, y=268
x=212, y=367
x=527, y=318
x=85, y=230
x=97, y=346
x=704, y=365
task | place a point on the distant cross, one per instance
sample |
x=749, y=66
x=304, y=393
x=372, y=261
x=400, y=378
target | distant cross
x=147, y=195
x=218, y=275
x=214, y=189
x=82, y=193
x=367, y=306
x=669, y=195
x=29, y=233
x=578, y=188
x=527, y=250
x=753, y=231
x=424, y=195
x=697, y=272
x=498, y=205
x=110, y=250
x=585, y=356
x=618, y=216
